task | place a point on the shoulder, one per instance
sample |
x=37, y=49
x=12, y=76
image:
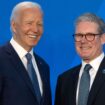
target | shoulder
x=2, y=50
x=70, y=73
x=5, y=47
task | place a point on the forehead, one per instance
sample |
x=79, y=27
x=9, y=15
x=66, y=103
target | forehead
x=34, y=10
x=29, y=13
x=86, y=27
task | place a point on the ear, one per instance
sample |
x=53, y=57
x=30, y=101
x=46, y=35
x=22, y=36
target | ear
x=103, y=38
x=13, y=26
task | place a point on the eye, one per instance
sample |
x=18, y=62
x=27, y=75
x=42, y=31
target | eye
x=29, y=23
x=79, y=35
x=90, y=34
x=40, y=24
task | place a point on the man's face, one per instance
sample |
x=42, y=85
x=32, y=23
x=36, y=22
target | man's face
x=88, y=50
x=28, y=27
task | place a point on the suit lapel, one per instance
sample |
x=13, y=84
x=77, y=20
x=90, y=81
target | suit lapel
x=98, y=82
x=19, y=67
x=74, y=77
x=76, y=81
x=41, y=71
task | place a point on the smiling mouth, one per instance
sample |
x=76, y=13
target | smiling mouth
x=33, y=36
x=85, y=48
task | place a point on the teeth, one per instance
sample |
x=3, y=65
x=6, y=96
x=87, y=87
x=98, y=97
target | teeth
x=85, y=48
x=32, y=36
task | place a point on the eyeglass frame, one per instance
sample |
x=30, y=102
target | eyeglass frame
x=87, y=34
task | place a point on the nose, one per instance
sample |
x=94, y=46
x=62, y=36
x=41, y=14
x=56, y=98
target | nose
x=83, y=39
x=34, y=28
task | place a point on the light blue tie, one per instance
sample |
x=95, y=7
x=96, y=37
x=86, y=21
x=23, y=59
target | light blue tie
x=84, y=86
x=33, y=77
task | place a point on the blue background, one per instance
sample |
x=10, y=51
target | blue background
x=56, y=45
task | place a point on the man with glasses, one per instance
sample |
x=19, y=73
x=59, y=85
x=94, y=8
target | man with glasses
x=85, y=83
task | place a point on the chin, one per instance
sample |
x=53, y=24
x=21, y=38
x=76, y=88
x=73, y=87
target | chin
x=86, y=58
x=33, y=43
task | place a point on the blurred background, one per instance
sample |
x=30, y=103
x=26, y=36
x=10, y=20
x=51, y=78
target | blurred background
x=56, y=45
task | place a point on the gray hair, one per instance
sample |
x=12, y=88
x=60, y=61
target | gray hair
x=25, y=4
x=90, y=17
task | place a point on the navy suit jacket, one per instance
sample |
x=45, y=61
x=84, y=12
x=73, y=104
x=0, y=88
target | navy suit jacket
x=15, y=85
x=67, y=86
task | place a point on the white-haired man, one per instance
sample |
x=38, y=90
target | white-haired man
x=24, y=76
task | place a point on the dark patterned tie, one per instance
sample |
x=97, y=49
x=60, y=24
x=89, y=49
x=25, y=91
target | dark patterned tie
x=84, y=86
x=33, y=77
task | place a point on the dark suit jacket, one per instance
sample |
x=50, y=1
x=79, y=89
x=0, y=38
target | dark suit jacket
x=15, y=85
x=67, y=86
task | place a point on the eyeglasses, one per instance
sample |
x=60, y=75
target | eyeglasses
x=88, y=36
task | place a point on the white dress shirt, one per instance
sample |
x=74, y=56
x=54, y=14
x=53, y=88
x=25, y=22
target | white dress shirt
x=93, y=71
x=21, y=53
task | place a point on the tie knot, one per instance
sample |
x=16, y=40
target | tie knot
x=28, y=56
x=87, y=67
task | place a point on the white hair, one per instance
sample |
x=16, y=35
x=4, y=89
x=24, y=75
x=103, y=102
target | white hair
x=21, y=5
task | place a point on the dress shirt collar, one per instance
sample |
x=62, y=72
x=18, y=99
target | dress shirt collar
x=19, y=49
x=95, y=63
